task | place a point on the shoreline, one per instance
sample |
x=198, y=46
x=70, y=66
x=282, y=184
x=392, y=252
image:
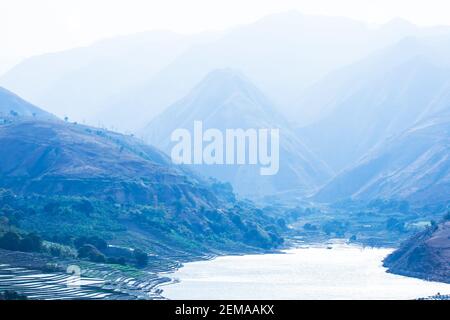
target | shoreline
x=150, y=283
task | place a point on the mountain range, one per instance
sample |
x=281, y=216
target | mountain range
x=227, y=99
x=387, y=134
x=413, y=166
x=363, y=114
x=112, y=81
x=376, y=98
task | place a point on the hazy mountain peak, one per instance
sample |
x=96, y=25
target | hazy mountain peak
x=227, y=99
x=226, y=79
x=399, y=23
x=226, y=89
x=225, y=75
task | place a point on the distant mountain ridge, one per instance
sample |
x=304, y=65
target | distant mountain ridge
x=126, y=81
x=389, y=132
x=413, y=166
x=376, y=99
x=78, y=82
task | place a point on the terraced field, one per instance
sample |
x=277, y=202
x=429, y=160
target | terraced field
x=39, y=276
x=98, y=283
x=37, y=285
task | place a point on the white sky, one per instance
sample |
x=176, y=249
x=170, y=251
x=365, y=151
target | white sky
x=29, y=27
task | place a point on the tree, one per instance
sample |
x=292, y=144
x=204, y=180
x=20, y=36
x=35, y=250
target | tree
x=6, y=196
x=95, y=241
x=141, y=257
x=4, y=221
x=447, y=216
x=51, y=207
x=310, y=227
x=10, y=241
x=90, y=252
x=12, y=295
x=112, y=260
x=85, y=206
x=31, y=243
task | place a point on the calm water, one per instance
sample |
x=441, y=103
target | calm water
x=344, y=272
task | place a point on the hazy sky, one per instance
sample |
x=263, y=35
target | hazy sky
x=29, y=27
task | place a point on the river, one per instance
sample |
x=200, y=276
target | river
x=337, y=272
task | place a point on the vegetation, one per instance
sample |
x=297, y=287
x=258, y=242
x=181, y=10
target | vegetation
x=447, y=216
x=90, y=252
x=13, y=241
x=11, y=295
x=84, y=227
x=141, y=258
x=381, y=222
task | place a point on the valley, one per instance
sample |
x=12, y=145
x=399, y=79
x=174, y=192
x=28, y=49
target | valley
x=275, y=143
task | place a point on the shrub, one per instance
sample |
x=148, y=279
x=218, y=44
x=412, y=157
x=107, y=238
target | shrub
x=447, y=216
x=10, y=241
x=95, y=241
x=31, y=243
x=257, y=237
x=84, y=206
x=310, y=227
x=55, y=251
x=12, y=295
x=141, y=257
x=112, y=260
x=90, y=252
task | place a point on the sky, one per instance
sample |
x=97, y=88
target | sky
x=30, y=27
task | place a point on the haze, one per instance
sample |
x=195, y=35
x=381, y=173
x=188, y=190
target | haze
x=30, y=27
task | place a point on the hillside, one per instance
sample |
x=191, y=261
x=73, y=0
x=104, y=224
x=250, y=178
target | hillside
x=83, y=181
x=412, y=166
x=377, y=98
x=426, y=255
x=226, y=99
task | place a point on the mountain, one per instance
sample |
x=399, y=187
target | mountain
x=12, y=105
x=226, y=99
x=69, y=180
x=78, y=82
x=355, y=108
x=414, y=166
x=124, y=82
x=426, y=255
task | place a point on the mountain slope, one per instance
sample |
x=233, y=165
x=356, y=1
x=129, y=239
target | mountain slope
x=377, y=98
x=226, y=99
x=415, y=166
x=426, y=255
x=74, y=180
x=12, y=105
x=78, y=82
